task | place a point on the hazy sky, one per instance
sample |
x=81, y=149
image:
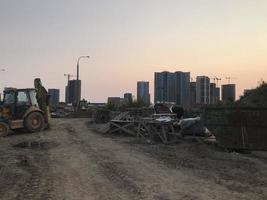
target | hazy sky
x=130, y=39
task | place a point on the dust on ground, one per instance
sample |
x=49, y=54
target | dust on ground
x=71, y=161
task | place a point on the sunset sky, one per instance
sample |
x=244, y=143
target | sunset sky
x=128, y=40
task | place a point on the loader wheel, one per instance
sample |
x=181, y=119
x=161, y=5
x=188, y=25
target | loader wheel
x=4, y=129
x=34, y=122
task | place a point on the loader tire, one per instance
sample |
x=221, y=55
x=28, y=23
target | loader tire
x=34, y=122
x=4, y=129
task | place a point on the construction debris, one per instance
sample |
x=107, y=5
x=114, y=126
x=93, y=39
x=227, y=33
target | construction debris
x=102, y=116
x=158, y=126
x=164, y=126
x=193, y=126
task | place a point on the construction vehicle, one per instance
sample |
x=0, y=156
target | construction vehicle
x=25, y=109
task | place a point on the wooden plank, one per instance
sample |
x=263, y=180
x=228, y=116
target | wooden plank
x=118, y=128
x=156, y=131
x=124, y=129
x=164, y=134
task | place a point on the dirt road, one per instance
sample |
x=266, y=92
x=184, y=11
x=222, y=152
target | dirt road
x=72, y=162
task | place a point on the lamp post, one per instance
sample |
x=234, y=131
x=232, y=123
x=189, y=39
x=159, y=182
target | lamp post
x=78, y=67
x=78, y=72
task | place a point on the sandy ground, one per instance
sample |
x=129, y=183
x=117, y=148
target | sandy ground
x=71, y=162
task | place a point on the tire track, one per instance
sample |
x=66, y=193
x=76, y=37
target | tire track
x=39, y=184
x=108, y=168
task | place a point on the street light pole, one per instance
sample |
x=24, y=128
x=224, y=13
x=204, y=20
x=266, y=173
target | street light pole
x=78, y=67
x=78, y=72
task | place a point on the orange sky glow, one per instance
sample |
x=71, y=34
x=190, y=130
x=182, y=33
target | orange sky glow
x=130, y=40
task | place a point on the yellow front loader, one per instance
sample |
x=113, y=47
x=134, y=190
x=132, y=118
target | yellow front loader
x=25, y=109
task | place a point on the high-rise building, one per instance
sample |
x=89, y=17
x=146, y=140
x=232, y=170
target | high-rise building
x=160, y=86
x=182, y=88
x=128, y=98
x=67, y=94
x=172, y=87
x=193, y=93
x=228, y=92
x=171, y=93
x=164, y=87
x=143, y=95
x=203, y=90
x=73, y=92
x=217, y=96
x=212, y=93
x=54, y=97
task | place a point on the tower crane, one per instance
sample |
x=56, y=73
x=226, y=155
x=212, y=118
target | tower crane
x=229, y=79
x=216, y=80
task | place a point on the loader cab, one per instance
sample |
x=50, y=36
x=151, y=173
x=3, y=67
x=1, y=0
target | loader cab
x=18, y=101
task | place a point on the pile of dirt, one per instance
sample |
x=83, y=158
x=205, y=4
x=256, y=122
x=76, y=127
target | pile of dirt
x=255, y=97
